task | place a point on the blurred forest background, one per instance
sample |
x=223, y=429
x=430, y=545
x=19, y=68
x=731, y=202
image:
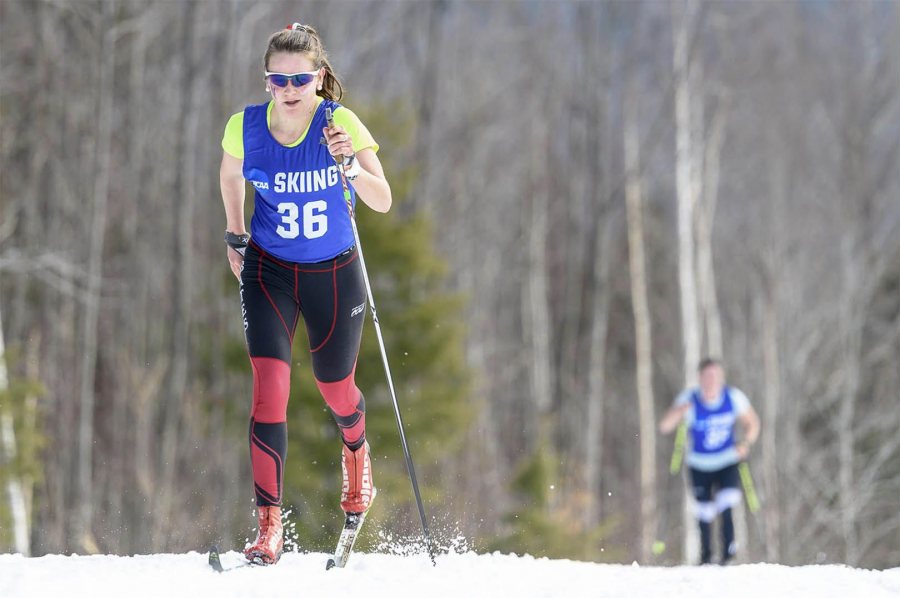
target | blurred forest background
x=589, y=196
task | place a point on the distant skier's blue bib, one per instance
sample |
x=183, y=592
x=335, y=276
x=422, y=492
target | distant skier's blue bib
x=300, y=213
x=713, y=428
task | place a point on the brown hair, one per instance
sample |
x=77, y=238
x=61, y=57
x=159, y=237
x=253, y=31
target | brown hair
x=708, y=362
x=303, y=38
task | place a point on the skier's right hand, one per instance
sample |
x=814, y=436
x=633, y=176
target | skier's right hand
x=672, y=418
x=236, y=261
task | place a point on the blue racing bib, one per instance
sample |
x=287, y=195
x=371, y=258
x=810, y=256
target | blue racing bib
x=300, y=214
x=713, y=429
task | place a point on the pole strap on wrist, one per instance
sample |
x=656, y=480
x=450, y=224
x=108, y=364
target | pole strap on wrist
x=351, y=167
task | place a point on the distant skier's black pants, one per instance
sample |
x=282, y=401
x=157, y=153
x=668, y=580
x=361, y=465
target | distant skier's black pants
x=331, y=297
x=716, y=493
x=708, y=483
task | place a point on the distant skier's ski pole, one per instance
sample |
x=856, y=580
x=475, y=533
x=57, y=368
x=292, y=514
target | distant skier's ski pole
x=387, y=370
x=749, y=489
x=678, y=453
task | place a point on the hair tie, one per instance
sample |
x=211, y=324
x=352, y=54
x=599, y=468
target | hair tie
x=295, y=26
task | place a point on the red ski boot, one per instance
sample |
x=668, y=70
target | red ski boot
x=266, y=550
x=358, y=491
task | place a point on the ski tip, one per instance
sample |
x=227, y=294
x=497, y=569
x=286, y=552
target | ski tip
x=329, y=564
x=214, y=560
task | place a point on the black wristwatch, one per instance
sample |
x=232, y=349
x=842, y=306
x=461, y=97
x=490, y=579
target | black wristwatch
x=237, y=242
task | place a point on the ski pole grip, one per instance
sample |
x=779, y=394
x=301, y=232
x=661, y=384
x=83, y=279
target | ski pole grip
x=329, y=118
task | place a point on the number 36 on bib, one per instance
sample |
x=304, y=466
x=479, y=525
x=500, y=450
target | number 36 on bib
x=315, y=221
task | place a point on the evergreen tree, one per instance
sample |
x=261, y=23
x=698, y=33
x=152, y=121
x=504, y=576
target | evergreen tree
x=21, y=461
x=544, y=529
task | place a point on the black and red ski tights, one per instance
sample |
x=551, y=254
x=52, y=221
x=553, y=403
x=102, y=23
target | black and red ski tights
x=331, y=297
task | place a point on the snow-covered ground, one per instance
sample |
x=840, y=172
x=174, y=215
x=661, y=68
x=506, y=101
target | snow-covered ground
x=456, y=575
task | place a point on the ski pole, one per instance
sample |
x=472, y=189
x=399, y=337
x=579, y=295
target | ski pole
x=678, y=452
x=329, y=117
x=749, y=489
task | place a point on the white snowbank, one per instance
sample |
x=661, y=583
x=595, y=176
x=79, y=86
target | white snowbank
x=456, y=575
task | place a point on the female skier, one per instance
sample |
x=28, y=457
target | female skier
x=300, y=259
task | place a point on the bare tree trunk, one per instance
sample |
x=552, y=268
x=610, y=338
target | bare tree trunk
x=772, y=374
x=850, y=333
x=429, y=71
x=97, y=238
x=535, y=300
x=643, y=344
x=683, y=23
x=123, y=429
x=705, y=218
x=687, y=198
x=772, y=412
x=603, y=238
x=597, y=377
x=183, y=197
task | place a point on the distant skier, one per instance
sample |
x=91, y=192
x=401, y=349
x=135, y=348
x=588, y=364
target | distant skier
x=710, y=413
x=300, y=259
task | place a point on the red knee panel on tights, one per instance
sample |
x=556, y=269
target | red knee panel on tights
x=271, y=389
x=342, y=396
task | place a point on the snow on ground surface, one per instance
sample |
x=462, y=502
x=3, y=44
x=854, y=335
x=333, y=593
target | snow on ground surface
x=456, y=575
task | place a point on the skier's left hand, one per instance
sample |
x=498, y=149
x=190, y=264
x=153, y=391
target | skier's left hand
x=743, y=450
